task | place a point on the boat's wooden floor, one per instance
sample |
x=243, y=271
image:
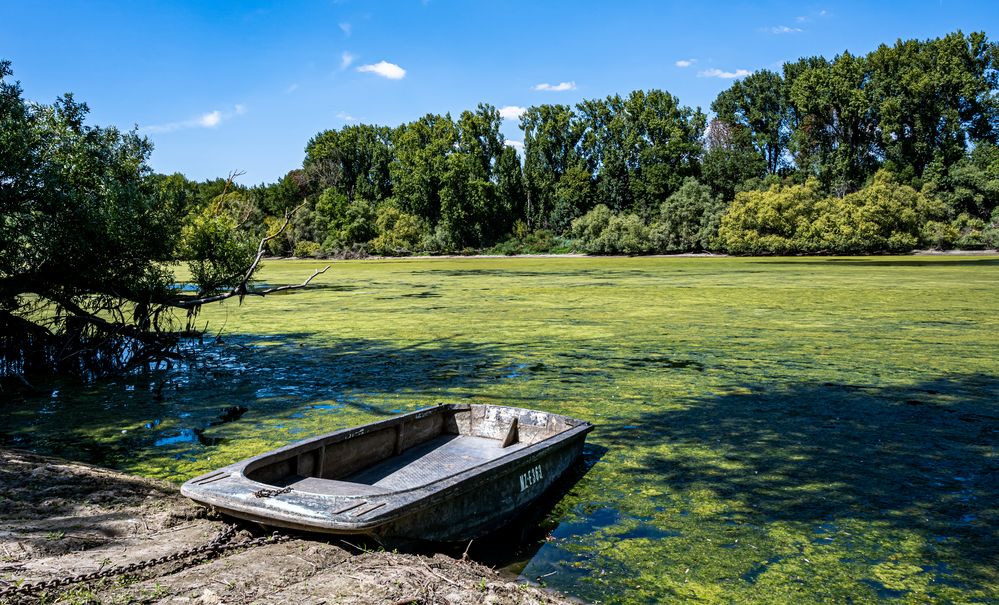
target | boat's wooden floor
x=428, y=462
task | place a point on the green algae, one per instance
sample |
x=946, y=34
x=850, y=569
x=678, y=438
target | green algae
x=768, y=430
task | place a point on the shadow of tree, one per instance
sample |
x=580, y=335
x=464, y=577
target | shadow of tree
x=921, y=457
x=272, y=376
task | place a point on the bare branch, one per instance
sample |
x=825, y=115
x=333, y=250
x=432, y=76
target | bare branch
x=235, y=174
x=305, y=283
x=196, y=302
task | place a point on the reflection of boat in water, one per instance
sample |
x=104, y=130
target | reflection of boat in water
x=452, y=472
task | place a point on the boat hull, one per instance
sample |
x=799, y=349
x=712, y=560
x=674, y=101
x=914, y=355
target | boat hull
x=474, y=500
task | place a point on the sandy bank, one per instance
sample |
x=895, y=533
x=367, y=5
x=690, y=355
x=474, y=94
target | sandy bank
x=60, y=519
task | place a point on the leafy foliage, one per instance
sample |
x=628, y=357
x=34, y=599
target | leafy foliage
x=688, y=220
x=85, y=229
x=883, y=217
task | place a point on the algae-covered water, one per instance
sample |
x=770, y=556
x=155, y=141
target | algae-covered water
x=768, y=430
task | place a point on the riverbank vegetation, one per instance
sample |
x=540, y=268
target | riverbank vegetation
x=879, y=153
x=86, y=233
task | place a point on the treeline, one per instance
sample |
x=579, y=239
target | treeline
x=887, y=152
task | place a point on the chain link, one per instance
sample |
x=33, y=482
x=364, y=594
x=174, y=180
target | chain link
x=219, y=545
x=267, y=493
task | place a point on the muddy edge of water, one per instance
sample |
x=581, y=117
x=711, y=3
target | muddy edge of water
x=61, y=518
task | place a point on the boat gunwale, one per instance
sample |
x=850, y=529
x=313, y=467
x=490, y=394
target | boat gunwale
x=260, y=510
x=244, y=467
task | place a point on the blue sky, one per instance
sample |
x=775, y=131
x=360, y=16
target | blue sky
x=220, y=86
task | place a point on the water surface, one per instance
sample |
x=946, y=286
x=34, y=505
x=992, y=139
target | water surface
x=768, y=430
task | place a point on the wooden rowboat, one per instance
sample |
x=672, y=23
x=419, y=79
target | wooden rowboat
x=447, y=473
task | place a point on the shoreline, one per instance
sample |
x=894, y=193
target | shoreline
x=60, y=518
x=976, y=253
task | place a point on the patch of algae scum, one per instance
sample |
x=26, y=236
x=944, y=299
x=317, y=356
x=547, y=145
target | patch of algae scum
x=768, y=430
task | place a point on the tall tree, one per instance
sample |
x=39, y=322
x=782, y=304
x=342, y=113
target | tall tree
x=730, y=160
x=552, y=136
x=837, y=129
x=640, y=147
x=934, y=98
x=417, y=170
x=758, y=106
x=354, y=159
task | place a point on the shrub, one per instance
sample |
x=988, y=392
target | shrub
x=885, y=216
x=305, y=248
x=771, y=221
x=398, y=232
x=688, y=220
x=601, y=232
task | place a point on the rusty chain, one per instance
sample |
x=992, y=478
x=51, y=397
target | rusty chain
x=219, y=545
x=267, y=493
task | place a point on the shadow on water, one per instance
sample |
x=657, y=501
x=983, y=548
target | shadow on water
x=511, y=546
x=248, y=379
x=921, y=457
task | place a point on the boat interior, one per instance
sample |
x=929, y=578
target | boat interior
x=406, y=452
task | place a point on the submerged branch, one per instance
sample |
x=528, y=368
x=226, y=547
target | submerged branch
x=242, y=289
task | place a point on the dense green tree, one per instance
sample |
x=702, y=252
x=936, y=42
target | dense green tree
x=511, y=193
x=836, y=137
x=479, y=136
x=885, y=216
x=398, y=232
x=771, y=221
x=417, y=170
x=283, y=196
x=757, y=105
x=688, y=220
x=640, y=147
x=344, y=222
x=971, y=185
x=600, y=231
x=354, y=159
x=83, y=233
x=552, y=136
x=466, y=200
x=933, y=98
x=730, y=160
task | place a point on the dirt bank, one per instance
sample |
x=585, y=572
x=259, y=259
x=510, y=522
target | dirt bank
x=59, y=519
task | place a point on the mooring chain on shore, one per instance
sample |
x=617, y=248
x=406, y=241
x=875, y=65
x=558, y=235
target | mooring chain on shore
x=218, y=546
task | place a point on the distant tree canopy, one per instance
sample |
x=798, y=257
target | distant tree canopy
x=920, y=114
x=85, y=230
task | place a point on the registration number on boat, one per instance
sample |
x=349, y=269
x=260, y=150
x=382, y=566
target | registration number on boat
x=530, y=478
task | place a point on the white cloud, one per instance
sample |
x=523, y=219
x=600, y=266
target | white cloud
x=511, y=112
x=346, y=117
x=783, y=29
x=685, y=62
x=803, y=19
x=346, y=58
x=205, y=120
x=518, y=145
x=384, y=69
x=556, y=87
x=211, y=119
x=346, y=28
x=717, y=73
x=292, y=88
